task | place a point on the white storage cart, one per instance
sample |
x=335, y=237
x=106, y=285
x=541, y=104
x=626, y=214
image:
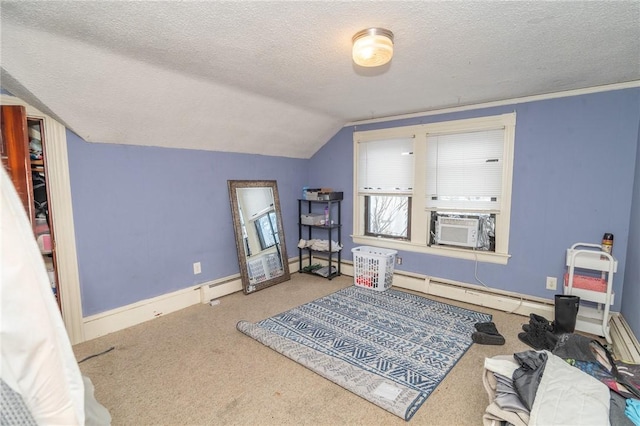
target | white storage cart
x=585, y=258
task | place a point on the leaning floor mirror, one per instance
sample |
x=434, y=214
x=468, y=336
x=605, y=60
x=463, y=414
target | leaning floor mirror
x=262, y=256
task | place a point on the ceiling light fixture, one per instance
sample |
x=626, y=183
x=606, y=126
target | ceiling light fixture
x=372, y=47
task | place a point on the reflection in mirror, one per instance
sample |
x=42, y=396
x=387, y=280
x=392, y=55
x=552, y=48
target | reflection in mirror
x=257, y=222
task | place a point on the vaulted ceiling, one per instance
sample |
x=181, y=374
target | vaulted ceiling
x=277, y=78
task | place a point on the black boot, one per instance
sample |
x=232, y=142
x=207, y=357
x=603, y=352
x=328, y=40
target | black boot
x=566, y=312
x=539, y=338
x=486, y=327
x=537, y=321
x=487, y=334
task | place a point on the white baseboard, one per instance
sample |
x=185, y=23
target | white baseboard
x=625, y=344
x=136, y=313
x=139, y=312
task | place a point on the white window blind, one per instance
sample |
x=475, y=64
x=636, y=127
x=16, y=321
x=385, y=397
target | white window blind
x=385, y=166
x=464, y=170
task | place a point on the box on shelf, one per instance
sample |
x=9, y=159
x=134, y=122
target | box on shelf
x=310, y=195
x=373, y=267
x=330, y=196
x=313, y=194
x=312, y=219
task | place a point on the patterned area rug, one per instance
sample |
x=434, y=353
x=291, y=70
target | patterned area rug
x=391, y=348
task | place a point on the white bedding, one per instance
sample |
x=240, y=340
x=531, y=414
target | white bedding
x=568, y=396
x=36, y=356
x=565, y=396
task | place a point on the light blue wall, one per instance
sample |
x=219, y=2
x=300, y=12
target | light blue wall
x=574, y=168
x=144, y=215
x=631, y=302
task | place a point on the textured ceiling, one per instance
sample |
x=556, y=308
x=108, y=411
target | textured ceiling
x=276, y=78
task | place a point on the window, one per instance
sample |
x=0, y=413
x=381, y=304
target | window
x=407, y=178
x=387, y=216
x=464, y=170
x=267, y=227
x=387, y=194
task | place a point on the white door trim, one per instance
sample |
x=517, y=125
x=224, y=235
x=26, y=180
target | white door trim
x=59, y=184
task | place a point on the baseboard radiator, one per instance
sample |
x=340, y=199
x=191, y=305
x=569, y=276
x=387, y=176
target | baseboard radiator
x=231, y=284
x=625, y=344
x=462, y=292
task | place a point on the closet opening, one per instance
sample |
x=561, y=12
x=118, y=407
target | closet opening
x=43, y=220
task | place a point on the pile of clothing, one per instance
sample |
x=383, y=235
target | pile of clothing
x=578, y=383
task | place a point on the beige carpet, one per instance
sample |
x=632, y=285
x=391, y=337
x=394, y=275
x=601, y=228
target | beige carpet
x=193, y=367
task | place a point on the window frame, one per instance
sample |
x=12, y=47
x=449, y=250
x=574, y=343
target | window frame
x=368, y=233
x=419, y=214
x=260, y=230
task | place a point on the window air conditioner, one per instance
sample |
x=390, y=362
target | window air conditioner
x=454, y=231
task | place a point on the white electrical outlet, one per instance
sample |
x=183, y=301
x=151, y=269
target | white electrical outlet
x=552, y=283
x=399, y=260
x=196, y=268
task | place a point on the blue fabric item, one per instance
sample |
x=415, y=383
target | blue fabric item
x=633, y=410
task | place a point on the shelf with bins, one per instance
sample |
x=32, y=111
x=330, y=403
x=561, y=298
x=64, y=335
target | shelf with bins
x=329, y=227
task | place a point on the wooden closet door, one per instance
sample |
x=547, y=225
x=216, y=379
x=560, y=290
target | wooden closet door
x=15, y=154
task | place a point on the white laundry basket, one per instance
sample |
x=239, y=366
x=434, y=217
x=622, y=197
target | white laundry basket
x=373, y=267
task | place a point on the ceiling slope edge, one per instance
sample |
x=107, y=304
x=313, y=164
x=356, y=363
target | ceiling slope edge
x=90, y=89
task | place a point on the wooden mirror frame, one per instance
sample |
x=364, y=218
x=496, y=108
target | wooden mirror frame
x=247, y=286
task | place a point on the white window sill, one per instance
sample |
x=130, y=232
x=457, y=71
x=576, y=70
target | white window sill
x=480, y=256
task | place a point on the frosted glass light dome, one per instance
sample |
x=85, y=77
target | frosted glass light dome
x=372, y=47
